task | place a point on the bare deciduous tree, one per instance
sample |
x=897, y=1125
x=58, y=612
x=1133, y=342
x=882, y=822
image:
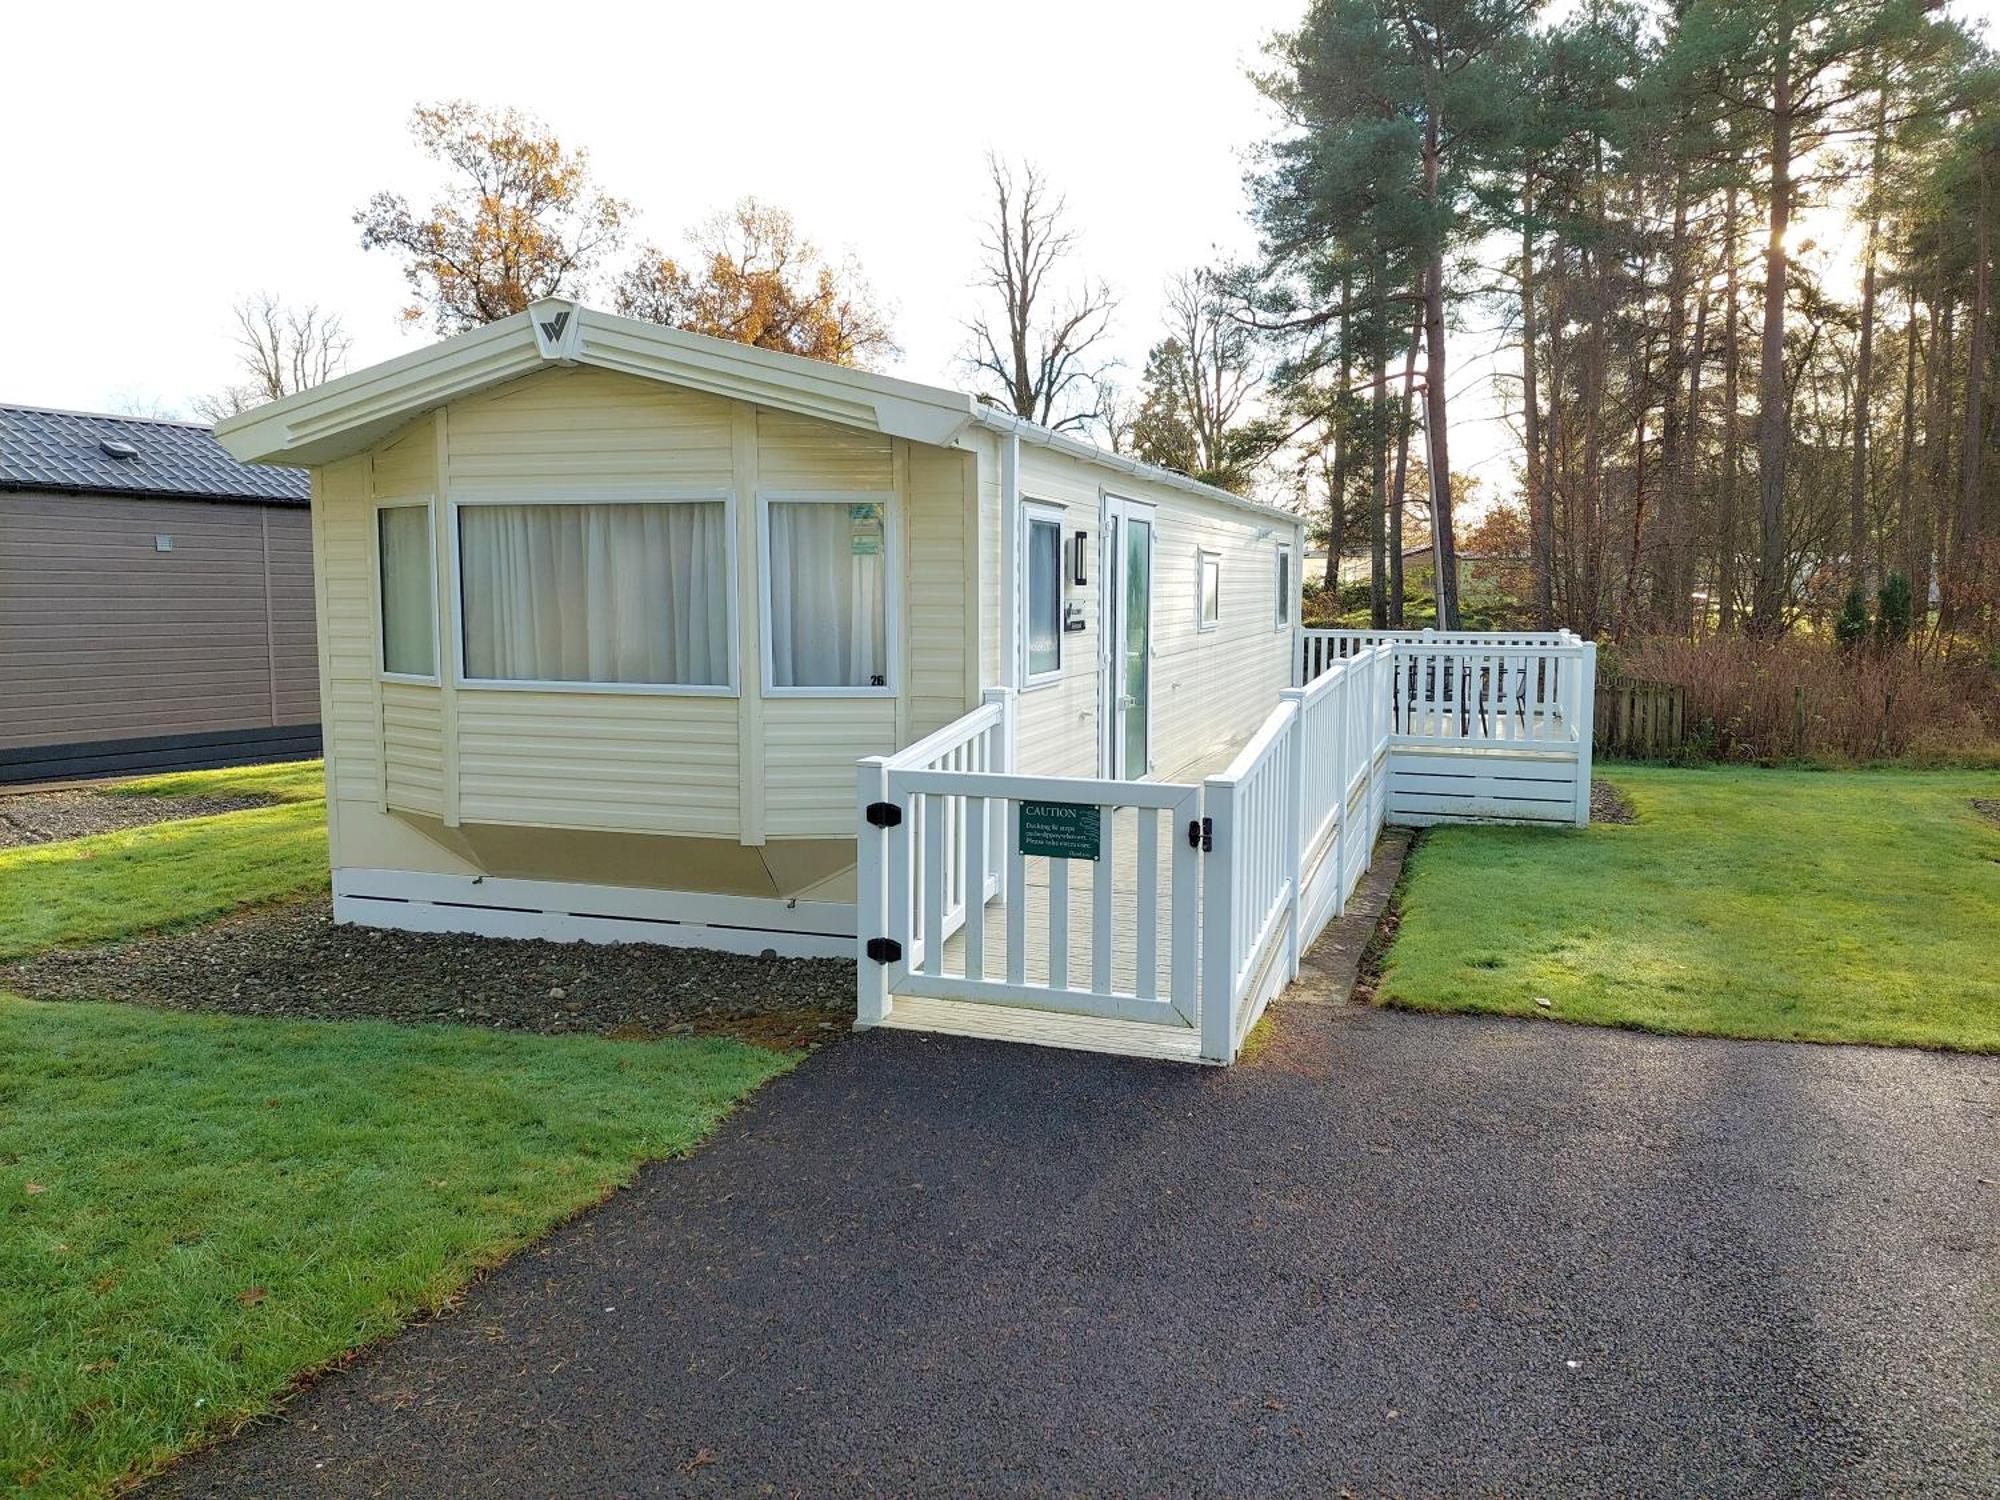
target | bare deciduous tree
x=1200, y=379
x=1039, y=351
x=281, y=350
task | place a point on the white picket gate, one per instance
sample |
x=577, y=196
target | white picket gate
x=1199, y=902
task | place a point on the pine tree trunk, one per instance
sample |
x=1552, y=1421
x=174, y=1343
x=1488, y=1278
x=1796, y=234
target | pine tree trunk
x=1732, y=425
x=1336, y=490
x=1402, y=480
x=1378, y=444
x=1670, y=515
x=1773, y=414
x=1905, y=508
x=1444, y=551
x=1966, y=533
x=1683, y=581
x=1540, y=527
x=1864, y=366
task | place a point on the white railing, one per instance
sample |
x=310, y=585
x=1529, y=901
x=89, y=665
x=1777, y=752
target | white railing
x=1200, y=899
x=980, y=742
x=938, y=846
x=1320, y=649
x=1292, y=824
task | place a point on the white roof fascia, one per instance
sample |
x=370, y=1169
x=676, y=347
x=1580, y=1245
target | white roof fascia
x=1074, y=447
x=351, y=413
x=348, y=414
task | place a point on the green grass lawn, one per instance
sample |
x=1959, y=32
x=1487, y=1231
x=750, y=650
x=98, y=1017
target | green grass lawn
x=193, y=1209
x=1857, y=906
x=196, y=1209
x=114, y=884
x=289, y=781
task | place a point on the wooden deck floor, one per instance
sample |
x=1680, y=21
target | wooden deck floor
x=1452, y=730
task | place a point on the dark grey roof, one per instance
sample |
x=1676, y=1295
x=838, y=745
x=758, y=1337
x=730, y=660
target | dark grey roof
x=41, y=449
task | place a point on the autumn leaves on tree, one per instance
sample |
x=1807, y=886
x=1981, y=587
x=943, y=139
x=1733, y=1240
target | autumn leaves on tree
x=520, y=218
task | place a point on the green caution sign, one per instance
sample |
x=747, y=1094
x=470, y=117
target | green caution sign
x=1060, y=830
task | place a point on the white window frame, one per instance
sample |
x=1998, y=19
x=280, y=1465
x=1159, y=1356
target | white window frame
x=1046, y=513
x=892, y=592
x=428, y=504
x=1202, y=558
x=619, y=496
x=1282, y=565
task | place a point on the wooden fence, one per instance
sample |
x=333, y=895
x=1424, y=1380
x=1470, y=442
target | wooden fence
x=1646, y=720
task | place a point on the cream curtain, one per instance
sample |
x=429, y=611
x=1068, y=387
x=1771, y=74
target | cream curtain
x=403, y=535
x=635, y=593
x=829, y=571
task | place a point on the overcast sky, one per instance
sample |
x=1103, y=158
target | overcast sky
x=163, y=165
x=167, y=160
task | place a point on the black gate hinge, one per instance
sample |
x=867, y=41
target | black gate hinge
x=884, y=950
x=1201, y=834
x=884, y=815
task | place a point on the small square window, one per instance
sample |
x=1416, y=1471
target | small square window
x=1208, y=602
x=1044, y=596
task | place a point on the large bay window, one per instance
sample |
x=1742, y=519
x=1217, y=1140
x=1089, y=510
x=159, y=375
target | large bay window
x=1043, y=597
x=630, y=593
x=405, y=580
x=826, y=587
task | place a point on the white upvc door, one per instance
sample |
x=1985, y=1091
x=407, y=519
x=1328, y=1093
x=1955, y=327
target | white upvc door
x=1126, y=693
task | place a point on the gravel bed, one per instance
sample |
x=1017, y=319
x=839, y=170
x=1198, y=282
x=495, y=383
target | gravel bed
x=1990, y=806
x=1609, y=804
x=76, y=812
x=291, y=961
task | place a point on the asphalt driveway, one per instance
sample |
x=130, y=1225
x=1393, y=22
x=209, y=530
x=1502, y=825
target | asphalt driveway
x=1389, y=1255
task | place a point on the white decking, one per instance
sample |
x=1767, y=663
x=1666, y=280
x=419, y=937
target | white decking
x=1154, y=949
x=1042, y=1028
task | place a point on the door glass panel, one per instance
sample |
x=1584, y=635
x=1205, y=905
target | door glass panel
x=1136, y=686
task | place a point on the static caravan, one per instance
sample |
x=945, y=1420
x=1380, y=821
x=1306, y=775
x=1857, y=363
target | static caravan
x=609, y=613
x=156, y=600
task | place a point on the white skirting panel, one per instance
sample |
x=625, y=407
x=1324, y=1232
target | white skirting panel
x=1481, y=786
x=568, y=912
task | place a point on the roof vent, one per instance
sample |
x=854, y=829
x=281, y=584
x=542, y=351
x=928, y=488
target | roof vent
x=113, y=449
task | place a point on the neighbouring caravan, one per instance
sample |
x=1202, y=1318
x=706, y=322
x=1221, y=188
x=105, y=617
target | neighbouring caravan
x=608, y=613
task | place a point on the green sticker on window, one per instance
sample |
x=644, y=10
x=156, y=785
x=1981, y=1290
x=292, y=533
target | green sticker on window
x=1060, y=830
x=864, y=530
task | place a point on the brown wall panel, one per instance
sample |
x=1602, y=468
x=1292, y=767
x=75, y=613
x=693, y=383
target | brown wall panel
x=105, y=637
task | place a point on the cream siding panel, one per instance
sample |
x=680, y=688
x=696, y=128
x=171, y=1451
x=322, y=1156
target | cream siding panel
x=641, y=762
x=799, y=453
x=347, y=698
x=1210, y=690
x=810, y=747
x=989, y=563
x=576, y=431
x=407, y=463
x=1059, y=733
x=412, y=745
x=935, y=586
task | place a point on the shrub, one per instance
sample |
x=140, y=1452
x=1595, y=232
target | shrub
x=1851, y=626
x=1894, y=609
x=1806, y=699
